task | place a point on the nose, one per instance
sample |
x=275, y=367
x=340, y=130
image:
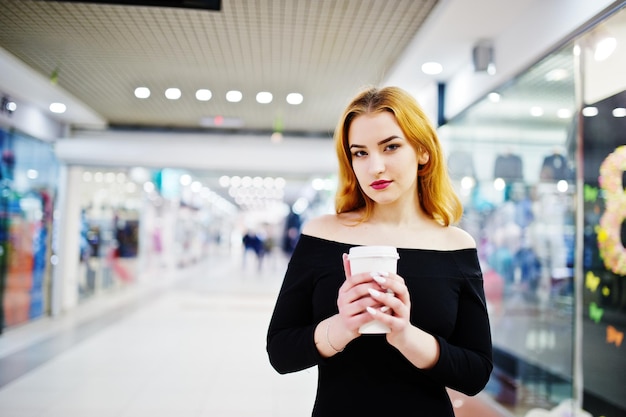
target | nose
x=376, y=164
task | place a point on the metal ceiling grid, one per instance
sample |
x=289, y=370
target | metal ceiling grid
x=324, y=49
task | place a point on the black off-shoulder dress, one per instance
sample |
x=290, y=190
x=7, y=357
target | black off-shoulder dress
x=370, y=377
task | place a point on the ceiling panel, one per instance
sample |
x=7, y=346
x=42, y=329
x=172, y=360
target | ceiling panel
x=325, y=50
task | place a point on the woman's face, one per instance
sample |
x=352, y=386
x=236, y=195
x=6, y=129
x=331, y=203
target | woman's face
x=384, y=162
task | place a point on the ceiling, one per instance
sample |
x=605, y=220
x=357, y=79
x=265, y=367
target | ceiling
x=324, y=49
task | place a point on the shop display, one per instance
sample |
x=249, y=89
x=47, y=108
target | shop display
x=509, y=167
x=555, y=167
x=25, y=224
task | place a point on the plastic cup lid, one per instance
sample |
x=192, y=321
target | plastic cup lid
x=373, y=251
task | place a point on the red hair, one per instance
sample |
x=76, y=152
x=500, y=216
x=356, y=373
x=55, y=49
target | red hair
x=436, y=193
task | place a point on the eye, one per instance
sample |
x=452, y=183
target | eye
x=392, y=147
x=358, y=154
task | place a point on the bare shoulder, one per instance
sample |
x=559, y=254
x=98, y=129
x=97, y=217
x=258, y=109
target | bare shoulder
x=457, y=238
x=332, y=227
x=322, y=226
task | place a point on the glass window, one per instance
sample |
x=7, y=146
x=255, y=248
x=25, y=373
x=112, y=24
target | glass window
x=28, y=178
x=603, y=63
x=512, y=159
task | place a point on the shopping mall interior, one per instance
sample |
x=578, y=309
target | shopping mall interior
x=159, y=160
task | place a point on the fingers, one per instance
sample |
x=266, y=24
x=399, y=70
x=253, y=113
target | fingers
x=346, y=265
x=354, y=299
x=391, y=284
x=394, y=301
x=393, y=311
x=367, y=296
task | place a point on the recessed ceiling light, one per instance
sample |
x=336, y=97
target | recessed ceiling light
x=264, y=97
x=604, y=48
x=234, y=96
x=224, y=181
x=10, y=106
x=494, y=97
x=294, y=98
x=619, y=112
x=173, y=93
x=58, y=108
x=148, y=186
x=280, y=182
x=536, y=111
x=185, y=179
x=432, y=68
x=590, y=111
x=142, y=92
x=203, y=94
x=558, y=74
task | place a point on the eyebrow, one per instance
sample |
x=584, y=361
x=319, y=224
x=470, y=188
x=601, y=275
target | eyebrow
x=390, y=138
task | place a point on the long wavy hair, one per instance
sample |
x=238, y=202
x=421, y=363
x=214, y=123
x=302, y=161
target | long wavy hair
x=436, y=193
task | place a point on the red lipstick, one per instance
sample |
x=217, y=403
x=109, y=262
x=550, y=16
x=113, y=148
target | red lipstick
x=380, y=184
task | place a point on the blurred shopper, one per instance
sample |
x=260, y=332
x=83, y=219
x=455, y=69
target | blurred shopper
x=253, y=242
x=393, y=190
x=293, y=223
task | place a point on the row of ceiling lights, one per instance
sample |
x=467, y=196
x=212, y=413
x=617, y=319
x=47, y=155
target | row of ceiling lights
x=233, y=96
x=589, y=111
x=9, y=106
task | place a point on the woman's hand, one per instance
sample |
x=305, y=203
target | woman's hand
x=419, y=347
x=354, y=298
x=384, y=297
x=394, y=302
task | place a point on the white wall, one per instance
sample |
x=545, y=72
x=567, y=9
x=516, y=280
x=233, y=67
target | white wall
x=535, y=33
x=220, y=153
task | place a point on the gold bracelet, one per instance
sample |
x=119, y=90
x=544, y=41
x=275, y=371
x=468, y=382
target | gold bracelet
x=328, y=339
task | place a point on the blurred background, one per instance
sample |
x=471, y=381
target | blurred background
x=152, y=138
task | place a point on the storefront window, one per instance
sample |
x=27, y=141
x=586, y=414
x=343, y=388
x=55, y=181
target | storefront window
x=603, y=62
x=512, y=159
x=28, y=175
x=137, y=223
x=550, y=269
x=110, y=206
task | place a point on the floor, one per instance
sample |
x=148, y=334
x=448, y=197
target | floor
x=191, y=344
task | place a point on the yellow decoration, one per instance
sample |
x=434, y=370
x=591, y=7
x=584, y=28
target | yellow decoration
x=612, y=251
x=592, y=281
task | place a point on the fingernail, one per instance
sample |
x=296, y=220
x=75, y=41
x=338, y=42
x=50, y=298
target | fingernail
x=384, y=309
x=378, y=278
x=389, y=291
x=374, y=293
x=371, y=310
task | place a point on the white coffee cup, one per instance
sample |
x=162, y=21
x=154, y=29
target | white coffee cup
x=373, y=259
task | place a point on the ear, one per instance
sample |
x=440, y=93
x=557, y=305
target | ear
x=423, y=157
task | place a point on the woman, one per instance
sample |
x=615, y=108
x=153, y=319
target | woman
x=393, y=190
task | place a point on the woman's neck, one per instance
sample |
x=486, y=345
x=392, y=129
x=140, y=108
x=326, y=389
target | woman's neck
x=399, y=213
